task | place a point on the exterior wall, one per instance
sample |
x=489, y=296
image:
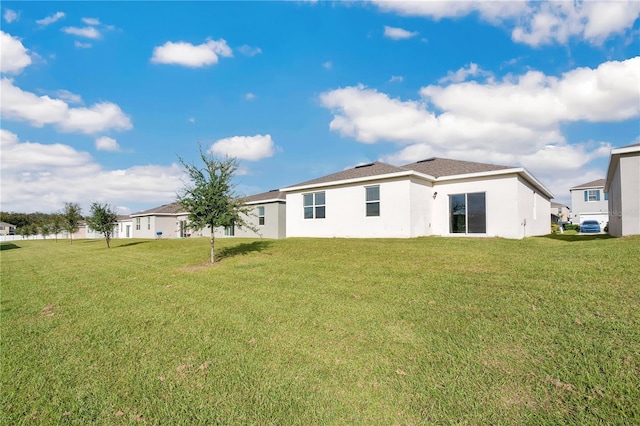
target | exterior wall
x=562, y=212
x=274, y=222
x=501, y=200
x=121, y=229
x=149, y=225
x=615, y=205
x=421, y=205
x=533, y=209
x=345, y=212
x=630, y=169
x=580, y=207
x=624, y=197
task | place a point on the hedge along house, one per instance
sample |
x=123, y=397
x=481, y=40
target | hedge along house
x=436, y=196
x=623, y=186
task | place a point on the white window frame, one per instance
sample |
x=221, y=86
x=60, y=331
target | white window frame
x=371, y=201
x=315, y=207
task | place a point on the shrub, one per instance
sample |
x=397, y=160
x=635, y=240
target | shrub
x=571, y=227
x=554, y=227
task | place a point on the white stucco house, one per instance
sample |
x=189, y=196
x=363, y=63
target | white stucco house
x=589, y=201
x=623, y=186
x=436, y=196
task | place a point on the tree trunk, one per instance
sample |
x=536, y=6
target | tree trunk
x=108, y=238
x=213, y=259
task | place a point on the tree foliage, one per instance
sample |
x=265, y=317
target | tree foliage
x=55, y=225
x=71, y=217
x=102, y=220
x=209, y=197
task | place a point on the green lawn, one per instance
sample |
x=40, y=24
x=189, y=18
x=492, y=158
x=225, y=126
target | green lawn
x=331, y=331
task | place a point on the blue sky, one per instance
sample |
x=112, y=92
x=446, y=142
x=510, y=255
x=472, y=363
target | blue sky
x=99, y=99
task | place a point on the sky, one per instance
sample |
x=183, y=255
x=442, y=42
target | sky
x=100, y=100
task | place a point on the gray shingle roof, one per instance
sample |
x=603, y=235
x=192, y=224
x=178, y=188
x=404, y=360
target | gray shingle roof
x=592, y=184
x=435, y=167
x=365, y=170
x=438, y=167
x=269, y=195
x=172, y=208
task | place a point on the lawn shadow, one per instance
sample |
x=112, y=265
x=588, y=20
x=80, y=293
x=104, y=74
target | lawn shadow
x=9, y=246
x=134, y=243
x=577, y=237
x=242, y=249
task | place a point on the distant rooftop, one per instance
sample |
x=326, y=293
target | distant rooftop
x=599, y=183
x=172, y=208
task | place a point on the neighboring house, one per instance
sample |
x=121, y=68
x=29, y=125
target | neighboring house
x=267, y=216
x=560, y=213
x=623, y=186
x=124, y=227
x=590, y=202
x=166, y=221
x=436, y=196
x=7, y=229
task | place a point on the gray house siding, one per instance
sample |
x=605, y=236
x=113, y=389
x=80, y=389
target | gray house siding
x=624, y=197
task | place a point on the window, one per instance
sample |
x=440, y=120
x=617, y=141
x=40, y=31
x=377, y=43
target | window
x=373, y=200
x=592, y=195
x=606, y=196
x=261, y=215
x=149, y=223
x=229, y=231
x=137, y=223
x=467, y=213
x=314, y=205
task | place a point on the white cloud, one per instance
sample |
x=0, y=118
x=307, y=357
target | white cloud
x=50, y=19
x=252, y=148
x=609, y=92
x=395, y=33
x=249, y=96
x=472, y=70
x=396, y=79
x=191, y=120
x=186, y=54
x=516, y=121
x=532, y=22
x=87, y=32
x=327, y=65
x=14, y=57
x=81, y=45
x=249, y=51
x=42, y=177
x=40, y=110
x=105, y=143
x=10, y=16
x=68, y=97
x=91, y=21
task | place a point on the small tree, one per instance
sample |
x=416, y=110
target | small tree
x=102, y=220
x=55, y=227
x=209, y=197
x=45, y=230
x=71, y=218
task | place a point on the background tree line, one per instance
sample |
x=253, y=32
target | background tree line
x=102, y=219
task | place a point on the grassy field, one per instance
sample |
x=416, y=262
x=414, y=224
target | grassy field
x=335, y=331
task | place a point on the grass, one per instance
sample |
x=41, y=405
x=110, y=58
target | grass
x=335, y=331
